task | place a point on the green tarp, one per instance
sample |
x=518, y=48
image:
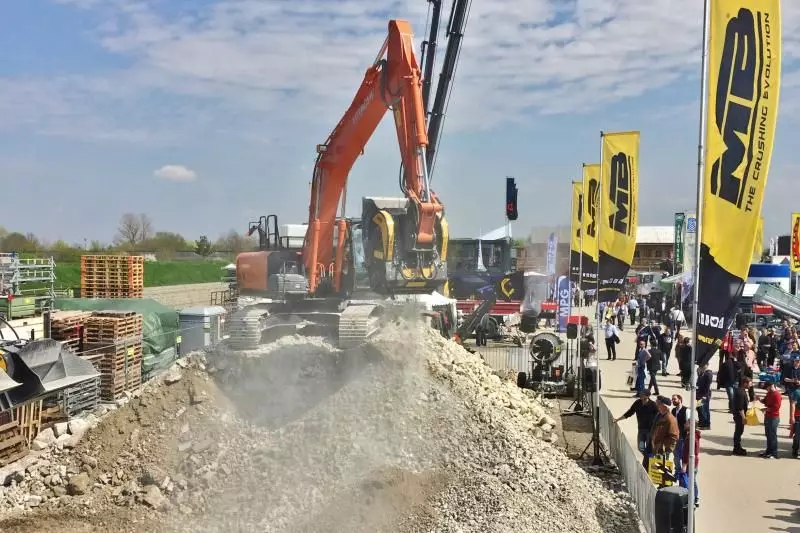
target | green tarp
x=159, y=325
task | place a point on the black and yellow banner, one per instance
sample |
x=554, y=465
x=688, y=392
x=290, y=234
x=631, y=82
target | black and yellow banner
x=589, y=225
x=575, y=239
x=758, y=243
x=794, y=247
x=511, y=287
x=619, y=210
x=743, y=85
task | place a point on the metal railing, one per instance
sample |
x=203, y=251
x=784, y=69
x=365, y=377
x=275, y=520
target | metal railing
x=629, y=463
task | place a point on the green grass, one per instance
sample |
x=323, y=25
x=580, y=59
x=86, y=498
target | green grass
x=157, y=274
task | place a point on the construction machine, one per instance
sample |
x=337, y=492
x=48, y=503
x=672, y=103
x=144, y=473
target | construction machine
x=339, y=280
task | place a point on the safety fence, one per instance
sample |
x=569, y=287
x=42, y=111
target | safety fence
x=629, y=462
x=505, y=358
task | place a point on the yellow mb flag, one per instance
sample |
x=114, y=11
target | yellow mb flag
x=744, y=69
x=575, y=239
x=619, y=210
x=589, y=225
x=758, y=243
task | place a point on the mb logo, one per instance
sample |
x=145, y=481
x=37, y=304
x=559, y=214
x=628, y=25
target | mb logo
x=594, y=196
x=736, y=98
x=580, y=216
x=620, y=195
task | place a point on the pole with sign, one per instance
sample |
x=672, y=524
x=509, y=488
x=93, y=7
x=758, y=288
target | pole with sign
x=677, y=246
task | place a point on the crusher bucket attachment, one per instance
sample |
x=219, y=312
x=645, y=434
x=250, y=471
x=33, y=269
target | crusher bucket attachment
x=41, y=367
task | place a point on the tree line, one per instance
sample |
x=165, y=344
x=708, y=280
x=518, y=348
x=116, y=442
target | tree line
x=135, y=234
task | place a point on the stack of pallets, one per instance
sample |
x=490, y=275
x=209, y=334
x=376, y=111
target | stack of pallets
x=112, y=276
x=29, y=419
x=114, y=344
x=67, y=327
x=13, y=444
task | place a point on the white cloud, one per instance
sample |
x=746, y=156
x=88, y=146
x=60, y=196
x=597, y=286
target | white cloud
x=175, y=173
x=237, y=63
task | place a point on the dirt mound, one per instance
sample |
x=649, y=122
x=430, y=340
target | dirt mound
x=409, y=433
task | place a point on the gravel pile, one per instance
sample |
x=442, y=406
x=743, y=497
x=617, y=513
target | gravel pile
x=409, y=433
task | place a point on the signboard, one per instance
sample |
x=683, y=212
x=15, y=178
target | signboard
x=761, y=309
x=677, y=247
x=564, y=302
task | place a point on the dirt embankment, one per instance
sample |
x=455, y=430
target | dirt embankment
x=407, y=434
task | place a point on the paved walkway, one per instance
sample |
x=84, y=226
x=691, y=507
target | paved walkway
x=738, y=494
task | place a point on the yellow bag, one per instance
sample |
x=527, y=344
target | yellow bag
x=655, y=470
x=751, y=417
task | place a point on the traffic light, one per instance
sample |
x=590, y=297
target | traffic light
x=511, y=199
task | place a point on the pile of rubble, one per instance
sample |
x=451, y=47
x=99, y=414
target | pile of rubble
x=409, y=433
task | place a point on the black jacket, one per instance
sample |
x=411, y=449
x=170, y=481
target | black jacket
x=740, y=401
x=728, y=374
x=654, y=363
x=680, y=416
x=645, y=414
x=704, y=382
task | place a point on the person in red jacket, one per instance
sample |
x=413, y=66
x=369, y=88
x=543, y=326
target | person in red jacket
x=772, y=419
x=684, y=479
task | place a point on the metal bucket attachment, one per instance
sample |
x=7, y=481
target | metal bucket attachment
x=42, y=367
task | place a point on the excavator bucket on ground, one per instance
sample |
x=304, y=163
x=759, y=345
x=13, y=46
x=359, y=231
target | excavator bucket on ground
x=37, y=368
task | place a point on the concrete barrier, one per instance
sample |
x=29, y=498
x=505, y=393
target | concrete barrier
x=183, y=296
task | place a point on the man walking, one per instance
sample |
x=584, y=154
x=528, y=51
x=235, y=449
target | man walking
x=642, y=356
x=653, y=362
x=666, y=348
x=705, y=379
x=772, y=419
x=611, y=336
x=741, y=401
x=679, y=412
x=665, y=432
x=633, y=306
x=684, y=479
x=791, y=382
x=684, y=355
x=645, y=411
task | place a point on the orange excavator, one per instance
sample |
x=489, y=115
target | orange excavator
x=398, y=246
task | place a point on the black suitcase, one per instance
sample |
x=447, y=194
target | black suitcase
x=672, y=510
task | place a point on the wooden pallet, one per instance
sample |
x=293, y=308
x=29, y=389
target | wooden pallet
x=112, y=293
x=29, y=419
x=120, y=368
x=109, y=327
x=113, y=387
x=13, y=445
x=67, y=327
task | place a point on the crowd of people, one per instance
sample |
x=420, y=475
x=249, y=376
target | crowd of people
x=748, y=355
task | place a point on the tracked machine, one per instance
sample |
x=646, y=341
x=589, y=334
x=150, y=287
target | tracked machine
x=341, y=279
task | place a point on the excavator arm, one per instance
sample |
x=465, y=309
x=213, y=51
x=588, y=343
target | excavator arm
x=393, y=82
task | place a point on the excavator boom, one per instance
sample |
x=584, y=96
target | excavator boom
x=393, y=82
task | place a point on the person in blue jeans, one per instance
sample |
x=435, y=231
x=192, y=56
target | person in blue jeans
x=705, y=377
x=684, y=472
x=645, y=410
x=642, y=356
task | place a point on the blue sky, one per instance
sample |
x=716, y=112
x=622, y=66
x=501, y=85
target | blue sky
x=205, y=114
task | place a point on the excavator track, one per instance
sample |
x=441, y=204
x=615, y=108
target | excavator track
x=244, y=328
x=357, y=323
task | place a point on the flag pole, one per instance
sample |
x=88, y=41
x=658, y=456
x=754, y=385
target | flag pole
x=597, y=461
x=581, y=295
x=701, y=173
